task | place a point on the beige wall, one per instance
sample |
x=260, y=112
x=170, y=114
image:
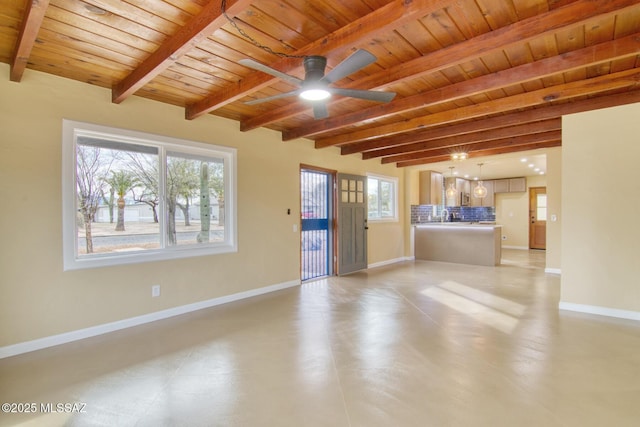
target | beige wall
x=600, y=206
x=38, y=299
x=553, y=262
x=512, y=212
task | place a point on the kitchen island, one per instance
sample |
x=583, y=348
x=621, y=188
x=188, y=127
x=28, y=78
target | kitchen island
x=460, y=242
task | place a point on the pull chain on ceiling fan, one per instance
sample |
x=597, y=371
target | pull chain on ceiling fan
x=315, y=86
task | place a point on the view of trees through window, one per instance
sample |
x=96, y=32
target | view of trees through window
x=135, y=197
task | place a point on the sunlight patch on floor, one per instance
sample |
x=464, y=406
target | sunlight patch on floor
x=496, y=312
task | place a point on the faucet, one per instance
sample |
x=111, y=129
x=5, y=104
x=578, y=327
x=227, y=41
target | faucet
x=444, y=216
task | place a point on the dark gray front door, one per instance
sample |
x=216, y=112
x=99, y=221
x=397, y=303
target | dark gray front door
x=352, y=223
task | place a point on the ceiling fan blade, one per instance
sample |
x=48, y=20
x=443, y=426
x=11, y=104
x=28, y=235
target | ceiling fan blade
x=261, y=67
x=320, y=110
x=359, y=59
x=370, y=95
x=271, y=98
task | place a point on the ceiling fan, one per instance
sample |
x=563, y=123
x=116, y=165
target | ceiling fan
x=315, y=86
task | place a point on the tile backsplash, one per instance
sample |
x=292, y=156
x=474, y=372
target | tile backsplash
x=431, y=213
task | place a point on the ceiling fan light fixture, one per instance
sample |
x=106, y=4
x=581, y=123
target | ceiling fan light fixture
x=315, y=94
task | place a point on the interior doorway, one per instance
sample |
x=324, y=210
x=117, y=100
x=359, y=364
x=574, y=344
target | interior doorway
x=537, y=218
x=317, y=222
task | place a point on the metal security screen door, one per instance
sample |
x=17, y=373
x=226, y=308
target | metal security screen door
x=316, y=211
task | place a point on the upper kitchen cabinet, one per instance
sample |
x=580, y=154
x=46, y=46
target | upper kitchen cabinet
x=510, y=185
x=487, y=201
x=430, y=188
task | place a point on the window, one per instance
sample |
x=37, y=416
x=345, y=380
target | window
x=382, y=197
x=132, y=197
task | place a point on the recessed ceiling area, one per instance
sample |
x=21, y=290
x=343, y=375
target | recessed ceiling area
x=508, y=165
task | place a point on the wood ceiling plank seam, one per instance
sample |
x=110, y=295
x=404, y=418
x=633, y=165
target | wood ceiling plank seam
x=178, y=44
x=114, y=21
x=204, y=71
x=392, y=154
x=99, y=33
x=139, y=15
x=566, y=17
x=419, y=37
x=165, y=10
x=468, y=18
x=527, y=72
x=179, y=83
x=529, y=99
x=471, y=147
x=498, y=13
x=193, y=77
x=442, y=28
x=527, y=9
x=84, y=72
x=305, y=24
x=269, y=24
x=74, y=34
x=118, y=66
x=262, y=34
x=83, y=64
x=356, y=32
x=627, y=23
x=32, y=20
x=59, y=42
x=161, y=84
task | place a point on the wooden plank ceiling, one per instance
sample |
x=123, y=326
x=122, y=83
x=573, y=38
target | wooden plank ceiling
x=481, y=76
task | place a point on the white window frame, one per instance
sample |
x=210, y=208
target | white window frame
x=394, y=182
x=71, y=130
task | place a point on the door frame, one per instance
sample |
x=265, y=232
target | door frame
x=332, y=230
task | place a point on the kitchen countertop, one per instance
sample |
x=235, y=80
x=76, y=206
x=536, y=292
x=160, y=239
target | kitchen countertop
x=462, y=242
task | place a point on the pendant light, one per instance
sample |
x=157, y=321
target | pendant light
x=451, y=191
x=480, y=191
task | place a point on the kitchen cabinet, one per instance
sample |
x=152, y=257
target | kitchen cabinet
x=510, y=185
x=430, y=188
x=487, y=201
x=517, y=185
x=463, y=188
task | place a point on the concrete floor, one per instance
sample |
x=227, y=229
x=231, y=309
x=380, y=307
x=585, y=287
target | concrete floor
x=411, y=344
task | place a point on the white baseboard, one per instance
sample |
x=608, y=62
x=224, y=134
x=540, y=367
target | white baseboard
x=388, y=262
x=602, y=311
x=553, y=271
x=50, y=341
x=521, y=248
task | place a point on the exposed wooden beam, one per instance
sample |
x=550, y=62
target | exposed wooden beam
x=471, y=147
x=484, y=153
x=200, y=26
x=496, y=122
x=600, y=84
x=31, y=22
x=589, y=56
x=356, y=33
x=464, y=140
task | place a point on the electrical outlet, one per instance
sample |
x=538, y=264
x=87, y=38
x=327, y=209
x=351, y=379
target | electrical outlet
x=155, y=291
